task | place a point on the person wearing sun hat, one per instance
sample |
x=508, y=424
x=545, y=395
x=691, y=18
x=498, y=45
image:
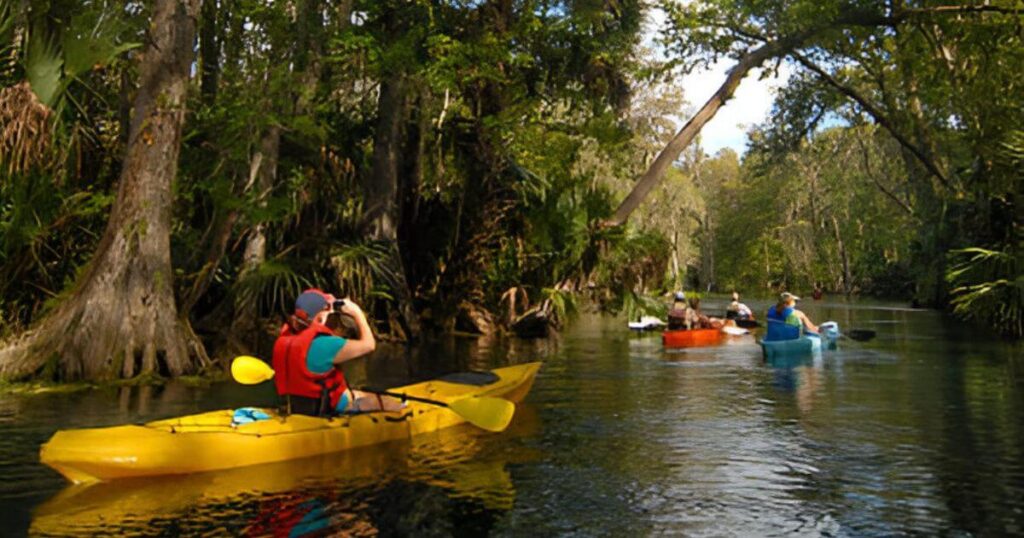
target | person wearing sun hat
x=677, y=315
x=308, y=356
x=785, y=322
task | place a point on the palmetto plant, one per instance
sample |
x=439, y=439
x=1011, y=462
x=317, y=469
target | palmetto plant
x=272, y=286
x=363, y=271
x=988, y=283
x=988, y=286
x=38, y=65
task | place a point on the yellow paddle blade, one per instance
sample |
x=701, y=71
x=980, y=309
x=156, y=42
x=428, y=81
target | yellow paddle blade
x=250, y=370
x=492, y=414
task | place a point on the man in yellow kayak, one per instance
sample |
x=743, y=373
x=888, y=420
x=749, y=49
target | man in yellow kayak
x=308, y=356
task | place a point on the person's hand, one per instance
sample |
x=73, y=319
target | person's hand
x=350, y=308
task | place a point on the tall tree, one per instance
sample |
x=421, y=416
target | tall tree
x=756, y=33
x=121, y=319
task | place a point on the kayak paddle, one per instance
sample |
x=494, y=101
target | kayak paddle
x=860, y=335
x=747, y=323
x=489, y=413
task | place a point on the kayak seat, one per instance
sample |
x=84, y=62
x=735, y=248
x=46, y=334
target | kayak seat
x=474, y=378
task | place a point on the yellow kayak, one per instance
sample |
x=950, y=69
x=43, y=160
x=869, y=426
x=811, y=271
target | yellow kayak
x=449, y=459
x=209, y=442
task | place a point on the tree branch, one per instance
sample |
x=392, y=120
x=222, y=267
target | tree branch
x=867, y=168
x=875, y=114
x=957, y=10
x=689, y=131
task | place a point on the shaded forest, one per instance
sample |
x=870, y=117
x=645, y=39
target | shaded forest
x=174, y=172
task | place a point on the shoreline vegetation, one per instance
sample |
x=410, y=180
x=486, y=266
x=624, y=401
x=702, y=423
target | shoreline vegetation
x=174, y=173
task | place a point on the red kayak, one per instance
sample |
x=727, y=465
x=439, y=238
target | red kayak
x=691, y=338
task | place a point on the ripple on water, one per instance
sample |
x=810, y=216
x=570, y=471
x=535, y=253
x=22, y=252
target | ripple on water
x=917, y=432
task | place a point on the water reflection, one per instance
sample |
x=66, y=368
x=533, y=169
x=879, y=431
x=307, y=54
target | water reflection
x=919, y=431
x=801, y=376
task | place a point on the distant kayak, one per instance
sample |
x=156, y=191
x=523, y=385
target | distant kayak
x=646, y=323
x=691, y=338
x=805, y=345
x=735, y=331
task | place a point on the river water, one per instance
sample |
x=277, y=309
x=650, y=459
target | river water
x=918, y=431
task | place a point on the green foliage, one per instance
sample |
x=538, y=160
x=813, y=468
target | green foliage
x=635, y=305
x=988, y=286
x=521, y=127
x=272, y=286
x=563, y=304
x=363, y=271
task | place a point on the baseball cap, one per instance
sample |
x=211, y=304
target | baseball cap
x=787, y=296
x=310, y=302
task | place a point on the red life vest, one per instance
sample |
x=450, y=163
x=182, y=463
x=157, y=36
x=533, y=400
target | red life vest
x=293, y=377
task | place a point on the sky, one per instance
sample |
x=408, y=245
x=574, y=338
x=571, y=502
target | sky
x=749, y=106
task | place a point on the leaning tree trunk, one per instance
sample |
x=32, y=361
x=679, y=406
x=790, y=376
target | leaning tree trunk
x=682, y=139
x=121, y=320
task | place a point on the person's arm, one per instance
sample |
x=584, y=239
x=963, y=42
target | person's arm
x=807, y=321
x=356, y=347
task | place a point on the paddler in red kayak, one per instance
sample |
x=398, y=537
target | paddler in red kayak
x=308, y=356
x=679, y=316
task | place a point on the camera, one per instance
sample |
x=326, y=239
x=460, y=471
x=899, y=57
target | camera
x=338, y=304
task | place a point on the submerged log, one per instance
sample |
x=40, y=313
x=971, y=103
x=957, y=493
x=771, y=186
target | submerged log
x=535, y=323
x=475, y=319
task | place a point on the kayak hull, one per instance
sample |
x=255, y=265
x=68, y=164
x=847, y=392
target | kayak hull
x=691, y=338
x=208, y=441
x=805, y=345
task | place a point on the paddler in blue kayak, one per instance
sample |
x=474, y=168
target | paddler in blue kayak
x=785, y=321
x=308, y=356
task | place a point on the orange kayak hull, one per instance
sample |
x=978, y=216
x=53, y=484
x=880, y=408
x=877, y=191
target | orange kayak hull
x=691, y=338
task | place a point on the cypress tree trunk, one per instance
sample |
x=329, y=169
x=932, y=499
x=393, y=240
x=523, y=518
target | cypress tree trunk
x=382, y=197
x=262, y=172
x=121, y=319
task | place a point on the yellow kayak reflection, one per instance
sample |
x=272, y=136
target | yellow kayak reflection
x=462, y=461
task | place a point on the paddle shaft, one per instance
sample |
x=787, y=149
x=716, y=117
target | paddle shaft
x=402, y=396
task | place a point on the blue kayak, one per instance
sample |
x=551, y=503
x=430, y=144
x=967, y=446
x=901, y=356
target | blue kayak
x=805, y=345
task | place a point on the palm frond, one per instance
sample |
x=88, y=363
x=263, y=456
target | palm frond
x=43, y=68
x=635, y=305
x=364, y=270
x=988, y=287
x=273, y=286
x=562, y=304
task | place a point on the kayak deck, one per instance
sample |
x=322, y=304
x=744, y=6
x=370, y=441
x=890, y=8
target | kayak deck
x=208, y=441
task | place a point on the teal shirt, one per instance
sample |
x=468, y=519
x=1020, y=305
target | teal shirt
x=320, y=357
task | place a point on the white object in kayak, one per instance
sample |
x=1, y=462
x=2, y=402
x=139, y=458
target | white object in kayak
x=735, y=331
x=829, y=329
x=646, y=323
